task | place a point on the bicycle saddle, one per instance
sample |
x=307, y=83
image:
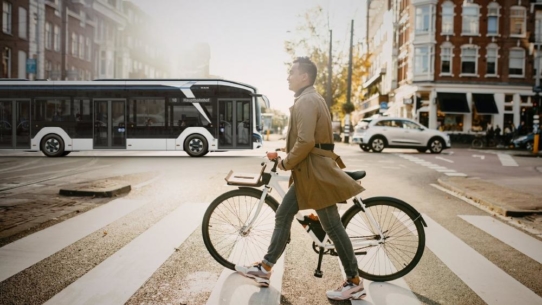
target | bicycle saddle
x=356, y=175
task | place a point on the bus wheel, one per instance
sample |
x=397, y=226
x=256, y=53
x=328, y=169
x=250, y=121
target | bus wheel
x=52, y=146
x=196, y=146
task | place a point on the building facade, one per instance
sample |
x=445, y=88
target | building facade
x=462, y=66
x=78, y=40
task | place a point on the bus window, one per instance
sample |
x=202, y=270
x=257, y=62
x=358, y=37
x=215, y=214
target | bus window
x=146, y=118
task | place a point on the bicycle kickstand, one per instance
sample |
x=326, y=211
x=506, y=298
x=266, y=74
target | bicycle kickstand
x=318, y=273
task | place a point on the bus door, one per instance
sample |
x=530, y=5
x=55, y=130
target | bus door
x=14, y=124
x=234, y=124
x=109, y=124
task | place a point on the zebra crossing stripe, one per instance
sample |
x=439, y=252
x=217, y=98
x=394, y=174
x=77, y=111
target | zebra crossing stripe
x=516, y=239
x=25, y=252
x=117, y=278
x=488, y=281
x=507, y=160
x=235, y=289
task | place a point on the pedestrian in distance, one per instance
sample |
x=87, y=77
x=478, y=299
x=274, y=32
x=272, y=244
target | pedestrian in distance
x=317, y=182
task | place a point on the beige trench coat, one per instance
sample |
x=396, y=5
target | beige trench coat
x=318, y=179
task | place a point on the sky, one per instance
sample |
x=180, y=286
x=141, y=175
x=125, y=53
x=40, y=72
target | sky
x=246, y=37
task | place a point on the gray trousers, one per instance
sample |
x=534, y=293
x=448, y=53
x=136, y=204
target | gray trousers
x=331, y=223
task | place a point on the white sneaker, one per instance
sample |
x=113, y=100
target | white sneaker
x=256, y=272
x=347, y=291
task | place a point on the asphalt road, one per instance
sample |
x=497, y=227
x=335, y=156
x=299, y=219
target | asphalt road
x=119, y=252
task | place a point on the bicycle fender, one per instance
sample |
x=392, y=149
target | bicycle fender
x=398, y=201
x=258, y=193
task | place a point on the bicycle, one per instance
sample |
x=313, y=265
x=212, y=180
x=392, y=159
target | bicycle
x=387, y=234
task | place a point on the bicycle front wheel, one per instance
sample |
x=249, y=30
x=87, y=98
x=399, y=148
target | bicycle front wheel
x=224, y=229
x=404, y=238
x=477, y=143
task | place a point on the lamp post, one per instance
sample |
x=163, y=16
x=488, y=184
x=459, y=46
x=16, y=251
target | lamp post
x=536, y=89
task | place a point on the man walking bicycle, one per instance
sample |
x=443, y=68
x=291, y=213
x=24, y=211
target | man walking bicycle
x=317, y=182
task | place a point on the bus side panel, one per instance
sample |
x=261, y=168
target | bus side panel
x=146, y=144
x=171, y=144
x=36, y=141
x=82, y=144
x=211, y=141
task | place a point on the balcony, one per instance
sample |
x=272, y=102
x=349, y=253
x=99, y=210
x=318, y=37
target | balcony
x=374, y=77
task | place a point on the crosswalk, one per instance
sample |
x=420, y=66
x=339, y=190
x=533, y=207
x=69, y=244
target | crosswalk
x=121, y=275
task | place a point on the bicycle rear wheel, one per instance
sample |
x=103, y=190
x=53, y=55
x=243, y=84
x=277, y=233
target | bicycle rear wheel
x=404, y=238
x=223, y=224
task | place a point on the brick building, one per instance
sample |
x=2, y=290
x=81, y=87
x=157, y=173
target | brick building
x=461, y=65
x=78, y=40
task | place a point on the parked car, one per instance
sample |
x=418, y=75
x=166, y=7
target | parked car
x=525, y=142
x=359, y=130
x=389, y=132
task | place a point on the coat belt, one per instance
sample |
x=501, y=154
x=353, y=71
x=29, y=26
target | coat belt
x=329, y=154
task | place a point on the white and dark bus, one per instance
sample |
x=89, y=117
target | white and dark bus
x=196, y=116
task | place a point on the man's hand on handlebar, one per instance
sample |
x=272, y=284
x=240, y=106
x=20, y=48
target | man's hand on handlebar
x=274, y=156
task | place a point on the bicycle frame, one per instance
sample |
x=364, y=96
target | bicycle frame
x=274, y=184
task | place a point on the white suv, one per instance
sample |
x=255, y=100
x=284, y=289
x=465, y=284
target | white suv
x=389, y=132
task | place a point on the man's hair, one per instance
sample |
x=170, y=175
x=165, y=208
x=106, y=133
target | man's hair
x=307, y=66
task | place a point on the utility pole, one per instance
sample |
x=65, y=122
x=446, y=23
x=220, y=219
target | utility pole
x=63, y=41
x=536, y=116
x=40, y=60
x=349, y=87
x=328, y=87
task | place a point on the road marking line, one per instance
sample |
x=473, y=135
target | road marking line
x=25, y=252
x=488, y=281
x=437, y=167
x=479, y=156
x=117, y=278
x=516, y=239
x=445, y=170
x=507, y=160
x=443, y=159
x=456, y=174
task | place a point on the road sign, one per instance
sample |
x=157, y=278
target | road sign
x=31, y=66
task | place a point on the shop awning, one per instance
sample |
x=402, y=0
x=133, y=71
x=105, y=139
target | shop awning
x=453, y=102
x=485, y=103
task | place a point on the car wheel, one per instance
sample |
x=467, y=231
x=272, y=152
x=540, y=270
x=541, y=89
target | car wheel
x=364, y=147
x=52, y=146
x=436, y=146
x=421, y=150
x=377, y=144
x=196, y=146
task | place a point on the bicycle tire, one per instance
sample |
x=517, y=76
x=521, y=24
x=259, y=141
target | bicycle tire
x=477, y=143
x=236, y=206
x=398, y=254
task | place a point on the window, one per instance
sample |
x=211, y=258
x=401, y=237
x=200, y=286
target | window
x=446, y=60
x=6, y=63
x=493, y=19
x=492, y=59
x=423, y=19
x=538, y=27
x=22, y=65
x=6, y=17
x=22, y=23
x=469, y=56
x=56, y=38
x=48, y=36
x=74, y=44
x=81, y=46
x=88, y=49
x=103, y=59
x=517, y=62
x=471, y=19
x=421, y=60
x=517, y=21
x=448, y=18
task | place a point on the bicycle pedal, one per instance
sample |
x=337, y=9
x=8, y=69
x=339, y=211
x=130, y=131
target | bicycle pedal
x=318, y=273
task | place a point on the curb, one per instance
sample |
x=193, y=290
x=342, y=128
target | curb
x=110, y=191
x=487, y=203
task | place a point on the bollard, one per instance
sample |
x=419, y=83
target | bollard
x=267, y=135
x=535, y=144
